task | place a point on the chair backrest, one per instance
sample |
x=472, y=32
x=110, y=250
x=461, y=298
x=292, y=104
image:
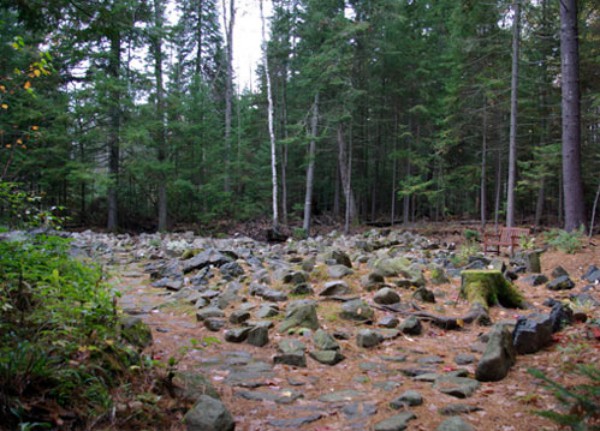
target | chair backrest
x=508, y=234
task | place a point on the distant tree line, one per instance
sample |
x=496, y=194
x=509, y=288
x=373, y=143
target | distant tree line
x=381, y=110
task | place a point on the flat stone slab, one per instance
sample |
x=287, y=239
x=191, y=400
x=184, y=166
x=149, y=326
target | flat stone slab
x=284, y=396
x=458, y=409
x=295, y=422
x=395, y=423
x=341, y=396
x=459, y=387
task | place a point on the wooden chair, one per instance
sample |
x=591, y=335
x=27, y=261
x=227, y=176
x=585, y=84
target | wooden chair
x=505, y=237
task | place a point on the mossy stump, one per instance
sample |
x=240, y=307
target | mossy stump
x=489, y=287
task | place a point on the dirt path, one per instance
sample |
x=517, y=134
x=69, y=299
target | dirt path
x=355, y=394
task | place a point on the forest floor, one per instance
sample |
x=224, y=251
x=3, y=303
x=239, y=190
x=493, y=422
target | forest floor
x=373, y=377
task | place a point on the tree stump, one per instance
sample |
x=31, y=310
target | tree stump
x=489, y=287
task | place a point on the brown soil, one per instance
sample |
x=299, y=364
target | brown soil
x=506, y=405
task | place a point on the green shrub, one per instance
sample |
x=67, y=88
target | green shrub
x=59, y=335
x=567, y=242
x=581, y=403
x=471, y=235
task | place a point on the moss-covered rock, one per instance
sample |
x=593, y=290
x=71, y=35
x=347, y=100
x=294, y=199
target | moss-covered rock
x=489, y=287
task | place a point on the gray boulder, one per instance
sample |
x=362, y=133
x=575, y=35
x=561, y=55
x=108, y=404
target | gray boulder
x=532, y=333
x=561, y=283
x=209, y=414
x=411, y=326
x=592, y=275
x=324, y=341
x=204, y=259
x=395, y=423
x=341, y=258
x=459, y=387
x=339, y=271
x=407, y=399
x=327, y=357
x=499, y=356
x=300, y=314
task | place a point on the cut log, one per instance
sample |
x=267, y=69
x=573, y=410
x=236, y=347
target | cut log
x=489, y=287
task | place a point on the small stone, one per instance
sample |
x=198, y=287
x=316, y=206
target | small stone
x=457, y=409
x=358, y=310
x=274, y=295
x=372, y=281
x=455, y=423
x=459, y=387
x=561, y=315
x=300, y=314
x=559, y=271
x=214, y=324
x=356, y=411
x=395, y=423
x=561, y=283
x=295, y=359
x=424, y=295
x=388, y=322
x=341, y=258
x=368, y=338
x=386, y=296
x=464, y=359
x=209, y=414
x=411, y=326
x=302, y=289
x=335, y=288
x=207, y=313
x=236, y=335
x=239, y=316
x=324, y=341
x=342, y=396
x=327, y=357
x=339, y=271
x=267, y=310
x=536, y=279
x=259, y=334
x=431, y=360
x=592, y=275
x=407, y=399
x=532, y=333
x=295, y=422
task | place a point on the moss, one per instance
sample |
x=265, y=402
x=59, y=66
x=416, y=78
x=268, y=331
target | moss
x=135, y=331
x=489, y=287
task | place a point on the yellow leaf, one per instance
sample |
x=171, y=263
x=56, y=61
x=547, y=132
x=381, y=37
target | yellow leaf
x=460, y=323
x=2, y=88
x=8, y=145
x=4, y=106
x=37, y=72
x=27, y=85
x=34, y=128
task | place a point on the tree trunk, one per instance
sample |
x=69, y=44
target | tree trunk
x=483, y=195
x=498, y=190
x=394, y=171
x=160, y=115
x=345, y=163
x=512, y=150
x=539, y=204
x=594, y=211
x=270, y=117
x=114, y=66
x=228, y=25
x=571, y=133
x=310, y=170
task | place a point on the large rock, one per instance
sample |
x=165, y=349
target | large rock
x=327, y=357
x=528, y=260
x=300, y=314
x=411, y=326
x=209, y=414
x=191, y=386
x=372, y=281
x=532, y=333
x=407, y=399
x=561, y=315
x=499, y=356
x=259, y=334
x=341, y=258
x=206, y=258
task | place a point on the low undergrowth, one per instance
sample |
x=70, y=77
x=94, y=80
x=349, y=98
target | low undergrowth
x=61, y=353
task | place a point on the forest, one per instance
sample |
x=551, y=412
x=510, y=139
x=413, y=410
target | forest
x=126, y=114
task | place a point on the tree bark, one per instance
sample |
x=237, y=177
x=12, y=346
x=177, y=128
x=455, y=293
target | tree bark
x=310, y=170
x=114, y=67
x=275, y=220
x=574, y=206
x=512, y=149
x=160, y=114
